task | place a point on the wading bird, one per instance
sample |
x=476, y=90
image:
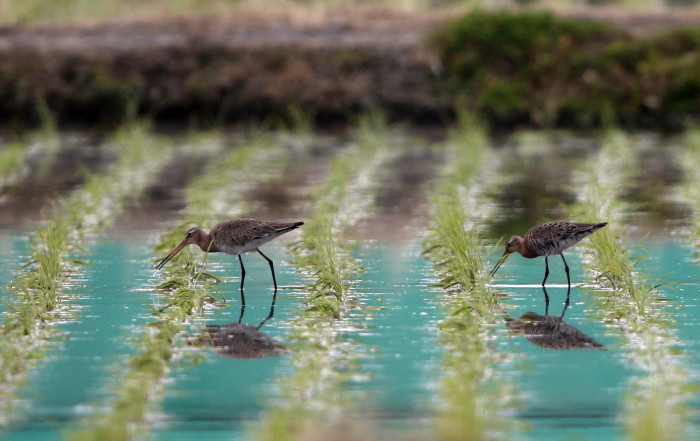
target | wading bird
x=235, y=237
x=547, y=240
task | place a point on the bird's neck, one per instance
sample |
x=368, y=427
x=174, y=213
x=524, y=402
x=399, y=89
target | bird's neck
x=205, y=243
x=525, y=251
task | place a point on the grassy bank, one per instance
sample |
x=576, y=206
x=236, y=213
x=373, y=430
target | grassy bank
x=657, y=399
x=312, y=399
x=475, y=404
x=535, y=68
x=514, y=68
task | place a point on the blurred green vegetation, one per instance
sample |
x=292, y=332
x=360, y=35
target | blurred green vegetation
x=33, y=11
x=535, y=68
x=512, y=67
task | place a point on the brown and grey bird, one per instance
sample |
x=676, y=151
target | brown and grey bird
x=547, y=240
x=235, y=237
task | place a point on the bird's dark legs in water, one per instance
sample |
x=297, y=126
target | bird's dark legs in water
x=269, y=316
x=240, y=259
x=272, y=268
x=272, y=310
x=240, y=317
x=566, y=268
x=546, y=301
x=546, y=270
x=566, y=303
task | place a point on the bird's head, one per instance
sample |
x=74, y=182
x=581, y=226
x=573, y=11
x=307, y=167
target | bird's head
x=194, y=235
x=515, y=243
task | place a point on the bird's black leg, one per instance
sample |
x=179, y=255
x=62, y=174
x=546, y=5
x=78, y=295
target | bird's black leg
x=546, y=270
x=546, y=301
x=566, y=303
x=272, y=310
x=272, y=268
x=240, y=317
x=566, y=268
x=240, y=259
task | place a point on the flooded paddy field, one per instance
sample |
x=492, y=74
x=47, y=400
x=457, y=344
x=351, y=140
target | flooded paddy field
x=385, y=324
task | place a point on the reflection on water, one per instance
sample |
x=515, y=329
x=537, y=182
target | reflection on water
x=551, y=332
x=570, y=394
x=243, y=342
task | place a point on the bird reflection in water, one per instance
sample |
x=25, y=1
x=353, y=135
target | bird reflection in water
x=243, y=342
x=551, y=332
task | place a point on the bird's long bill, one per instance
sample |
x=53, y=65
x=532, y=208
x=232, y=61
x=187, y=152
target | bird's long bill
x=499, y=263
x=171, y=255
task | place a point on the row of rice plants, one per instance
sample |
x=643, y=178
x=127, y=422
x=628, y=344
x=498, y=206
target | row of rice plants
x=690, y=161
x=474, y=403
x=185, y=286
x=17, y=155
x=312, y=399
x=656, y=402
x=40, y=294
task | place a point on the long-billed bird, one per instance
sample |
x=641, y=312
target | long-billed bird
x=235, y=237
x=547, y=240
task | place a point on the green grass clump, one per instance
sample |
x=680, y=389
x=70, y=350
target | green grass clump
x=11, y=157
x=472, y=405
x=656, y=405
x=690, y=161
x=340, y=201
x=42, y=143
x=537, y=68
x=313, y=397
x=451, y=244
x=605, y=179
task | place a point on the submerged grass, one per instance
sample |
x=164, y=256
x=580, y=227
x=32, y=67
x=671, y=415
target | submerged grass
x=312, y=398
x=473, y=402
x=186, y=288
x=656, y=405
x=39, y=290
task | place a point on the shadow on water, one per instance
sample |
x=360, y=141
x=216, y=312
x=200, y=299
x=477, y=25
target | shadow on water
x=240, y=341
x=551, y=332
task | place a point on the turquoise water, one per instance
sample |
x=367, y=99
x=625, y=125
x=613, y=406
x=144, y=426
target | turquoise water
x=564, y=395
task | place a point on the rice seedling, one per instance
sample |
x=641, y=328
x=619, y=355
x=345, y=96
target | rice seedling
x=340, y=202
x=42, y=143
x=185, y=286
x=473, y=401
x=656, y=403
x=323, y=359
x=39, y=294
x=690, y=161
x=11, y=158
